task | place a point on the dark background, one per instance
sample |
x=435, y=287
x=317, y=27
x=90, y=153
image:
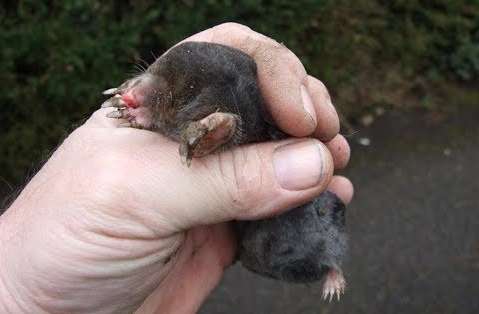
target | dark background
x=403, y=74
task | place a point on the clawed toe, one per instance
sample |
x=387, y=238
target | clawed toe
x=204, y=136
x=121, y=113
x=334, y=284
x=122, y=110
x=111, y=91
x=190, y=137
x=115, y=101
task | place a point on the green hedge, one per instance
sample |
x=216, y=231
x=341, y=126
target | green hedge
x=57, y=56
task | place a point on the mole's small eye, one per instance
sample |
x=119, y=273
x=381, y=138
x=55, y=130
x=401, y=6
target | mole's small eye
x=321, y=211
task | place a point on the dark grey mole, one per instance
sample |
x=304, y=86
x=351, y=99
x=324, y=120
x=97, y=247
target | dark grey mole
x=206, y=97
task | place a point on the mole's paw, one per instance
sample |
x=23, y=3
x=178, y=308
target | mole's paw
x=334, y=284
x=130, y=102
x=116, y=101
x=136, y=118
x=202, y=137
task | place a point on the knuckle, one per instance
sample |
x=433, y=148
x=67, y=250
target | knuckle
x=323, y=89
x=109, y=174
x=341, y=151
x=292, y=62
x=278, y=61
x=232, y=27
x=99, y=114
x=98, y=117
x=320, y=87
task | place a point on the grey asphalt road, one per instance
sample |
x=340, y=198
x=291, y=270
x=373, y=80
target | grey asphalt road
x=414, y=226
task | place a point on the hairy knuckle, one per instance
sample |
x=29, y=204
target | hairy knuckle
x=292, y=62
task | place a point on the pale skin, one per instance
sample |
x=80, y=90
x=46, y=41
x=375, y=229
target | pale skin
x=115, y=223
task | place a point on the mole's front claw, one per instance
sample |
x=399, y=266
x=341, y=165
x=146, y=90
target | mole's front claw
x=202, y=137
x=190, y=138
x=118, y=114
x=334, y=284
x=115, y=101
x=125, y=125
x=185, y=154
x=111, y=91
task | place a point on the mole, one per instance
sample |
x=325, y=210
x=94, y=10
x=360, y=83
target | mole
x=206, y=97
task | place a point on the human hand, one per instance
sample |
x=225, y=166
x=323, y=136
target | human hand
x=115, y=223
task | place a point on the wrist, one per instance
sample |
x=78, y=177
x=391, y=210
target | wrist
x=12, y=296
x=8, y=302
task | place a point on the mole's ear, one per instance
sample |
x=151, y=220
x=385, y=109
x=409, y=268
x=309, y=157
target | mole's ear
x=199, y=138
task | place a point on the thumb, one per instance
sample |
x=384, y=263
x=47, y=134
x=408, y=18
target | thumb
x=249, y=182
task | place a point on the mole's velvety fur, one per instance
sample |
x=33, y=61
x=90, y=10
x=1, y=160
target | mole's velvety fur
x=206, y=97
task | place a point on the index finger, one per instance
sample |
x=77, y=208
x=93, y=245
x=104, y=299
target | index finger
x=295, y=104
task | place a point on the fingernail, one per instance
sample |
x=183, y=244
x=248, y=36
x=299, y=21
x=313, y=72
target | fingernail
x=299, y=166
x=308, y=104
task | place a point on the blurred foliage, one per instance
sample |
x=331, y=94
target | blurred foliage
x=57, y=56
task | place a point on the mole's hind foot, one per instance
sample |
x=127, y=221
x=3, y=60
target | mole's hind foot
x=306, y=244
x=199, y=138
x=334, y=284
